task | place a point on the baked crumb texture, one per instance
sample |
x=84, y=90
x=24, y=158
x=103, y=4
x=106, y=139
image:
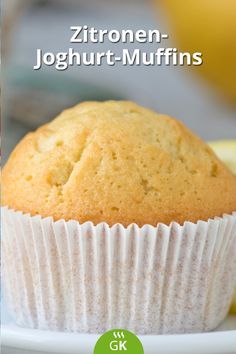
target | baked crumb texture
x=117, y=162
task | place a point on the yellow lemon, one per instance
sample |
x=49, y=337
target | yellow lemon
x=207, y=26
x=233, y=307
x=226, y=151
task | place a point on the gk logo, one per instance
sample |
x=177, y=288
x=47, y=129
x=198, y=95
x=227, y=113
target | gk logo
x=118, y=344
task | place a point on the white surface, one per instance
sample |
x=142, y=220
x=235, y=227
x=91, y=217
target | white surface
x=16, y=340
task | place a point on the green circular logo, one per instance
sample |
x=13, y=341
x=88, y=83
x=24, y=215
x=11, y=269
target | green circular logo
x=118, y=341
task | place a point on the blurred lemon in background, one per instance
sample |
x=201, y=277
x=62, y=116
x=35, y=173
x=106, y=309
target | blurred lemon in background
x=233, y=308
x=209, y=27
x=226, y=151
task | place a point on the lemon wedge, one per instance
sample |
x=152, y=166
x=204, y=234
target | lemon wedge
x=233, y=307
x=226, y=151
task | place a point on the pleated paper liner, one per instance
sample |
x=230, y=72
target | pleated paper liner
x=67, y=276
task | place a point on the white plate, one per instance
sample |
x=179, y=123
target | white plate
x=16, y=340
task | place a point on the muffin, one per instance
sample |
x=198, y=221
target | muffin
x=113, y=217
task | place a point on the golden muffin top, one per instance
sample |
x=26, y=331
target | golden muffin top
x=117, y=162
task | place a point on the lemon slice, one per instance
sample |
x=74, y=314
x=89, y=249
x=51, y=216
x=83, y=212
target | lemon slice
x=226, y=151
x=233, y=307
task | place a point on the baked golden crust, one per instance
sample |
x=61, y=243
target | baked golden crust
x=117, y=162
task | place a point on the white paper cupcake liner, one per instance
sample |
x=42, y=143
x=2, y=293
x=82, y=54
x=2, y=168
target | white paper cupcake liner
x=76, y=277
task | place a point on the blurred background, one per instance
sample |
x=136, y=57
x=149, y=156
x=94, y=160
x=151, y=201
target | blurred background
x=204, y=98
